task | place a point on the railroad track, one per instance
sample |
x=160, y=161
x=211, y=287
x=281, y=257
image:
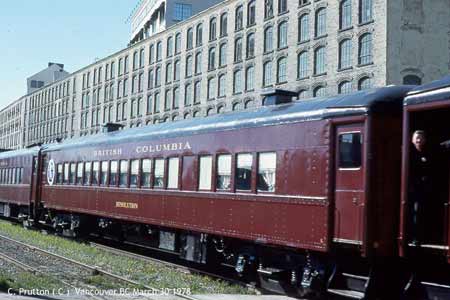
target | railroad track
x=93, y=270
x=186, y=269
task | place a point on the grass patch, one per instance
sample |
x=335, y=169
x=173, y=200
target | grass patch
x=28, y=281
x=151, y=274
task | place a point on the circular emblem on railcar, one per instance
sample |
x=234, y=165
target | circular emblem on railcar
x=51, y=172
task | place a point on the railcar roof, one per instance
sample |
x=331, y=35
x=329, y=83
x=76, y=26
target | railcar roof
x=437, y=90
x=358, y=103
x=20, y=152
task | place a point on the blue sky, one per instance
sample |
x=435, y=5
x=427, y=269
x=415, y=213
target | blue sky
x=35, y=32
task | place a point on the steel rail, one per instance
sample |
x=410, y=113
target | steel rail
x=94, y=269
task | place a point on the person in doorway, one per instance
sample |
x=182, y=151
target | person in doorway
x=420, y=185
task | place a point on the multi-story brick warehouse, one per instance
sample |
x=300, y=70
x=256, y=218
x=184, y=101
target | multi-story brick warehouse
x=223, y=58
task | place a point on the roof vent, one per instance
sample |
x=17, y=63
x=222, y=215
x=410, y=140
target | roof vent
x=277, y=96
x=110, y=127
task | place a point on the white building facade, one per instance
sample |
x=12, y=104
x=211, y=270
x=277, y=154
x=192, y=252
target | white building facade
x=222, y=58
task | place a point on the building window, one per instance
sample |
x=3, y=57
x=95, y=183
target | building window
x=319, y=91
x=198, y=63
x=239, y=19
x=157, y=103
x=282, y=35
x=365, y=11
x=243, y=178
x=149, y=104
x=189, y=66
x=412, y=80
x=223, y=172
x=319, y=61
x=211, y=88
x=238, y=50
x=169, y=73
x=223, y=55
x=222, y=85
x=176, y=98
x=212, y=29
x=141, y=58
x=177, y=70
x=268, y=9
x=249, y=78
x=237, y=81
x=281, y=70
x=199, y=35
x=365, y=49
x=182, y=11
x=345, y=18
x=267, y=74
x=158, y=76
x=268, y=39
x=205, y=173
x=250, y=45
x=302, y=63
x=267, y=164
x=345, y=87
x=169, y=50
x=212, y=59
x=188, y=95
x=190, y=39
x=152, y=54
x=159, y=51
x=251, y=13
x=167, y=100
x=303, y=94
x=150, y=79
x=364, y=83
x=177, y=43
x=197, y=92
x=282, y=6
x=321, y=22
x=303, y=30
x=135, y=60
x=224, y=24
x=125, y=67
x=120, y=67
x=345, y=54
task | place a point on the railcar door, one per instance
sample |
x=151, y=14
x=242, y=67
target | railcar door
x=349, y=185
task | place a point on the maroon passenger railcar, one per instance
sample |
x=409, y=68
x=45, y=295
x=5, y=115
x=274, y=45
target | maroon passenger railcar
x=17, y=182
x=427, y=108
x=276, y=189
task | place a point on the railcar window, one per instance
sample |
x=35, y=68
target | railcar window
x=87, y=173
x=159, y=173
x=205, y=174
x=72, y=173
x=18, y=176
x=9, y=176
x=21, y=175
x=123, y=180
x=104, y=173
x=134, y=173
x=350, y=150
x=244, y=172
x=224, y=172
x=2, y=175
x=146, y=173
x=113, y=173
x=96, y=173
x=267, y=164
x=59, y=174
x=80, y=173
x=66, y=173
x=173, y=172
x=13, y=176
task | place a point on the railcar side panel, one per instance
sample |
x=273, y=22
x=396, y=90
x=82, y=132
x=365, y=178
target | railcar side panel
x=295, y=215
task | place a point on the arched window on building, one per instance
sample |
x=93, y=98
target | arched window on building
x=250, y=45
x=319, y=91
x=412, y=80
x=319, y=61
x=251, y=13
x=302, y=65
x=345, y=54
x=303, y=28
x=282, y=70
x=365, y=11
x=345, y=14
x=268, y=39
x=212, y=29
x=199, y=35
x=224, y=24
x=239, y=18
x=364, y=83
x=365, y=49
x=321, y=22
x=283, y=34
x=345, y=87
